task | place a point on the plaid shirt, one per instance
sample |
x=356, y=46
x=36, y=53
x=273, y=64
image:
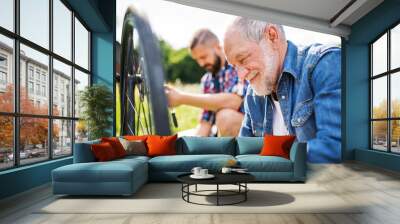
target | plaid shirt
x=225, y=81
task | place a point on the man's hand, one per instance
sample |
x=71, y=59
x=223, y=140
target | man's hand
x=173, y=95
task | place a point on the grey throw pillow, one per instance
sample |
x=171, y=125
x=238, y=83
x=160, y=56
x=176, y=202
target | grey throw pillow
x=137, y=147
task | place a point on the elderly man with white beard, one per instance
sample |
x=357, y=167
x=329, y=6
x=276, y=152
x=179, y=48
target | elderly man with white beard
x=293, y=90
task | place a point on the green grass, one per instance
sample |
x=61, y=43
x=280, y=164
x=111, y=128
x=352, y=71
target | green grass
x=187, y=116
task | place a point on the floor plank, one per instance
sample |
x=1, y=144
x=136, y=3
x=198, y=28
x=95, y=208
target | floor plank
x=377, y=190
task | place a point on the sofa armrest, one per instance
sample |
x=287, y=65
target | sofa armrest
x=83, y=152
x=298, y=155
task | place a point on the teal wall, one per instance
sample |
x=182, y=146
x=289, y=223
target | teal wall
x=356, y=122
x=24, y=178
x=103, y=64
x=99, y=16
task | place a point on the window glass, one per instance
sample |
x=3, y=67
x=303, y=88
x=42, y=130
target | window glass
x=39, y=62
x=34, y=21
x=81, y=131
x=62, y=91
x=395, y=136
x=395, y=94
x=81, y=45
x=81, y=82
x=395, y=47
x=379, y=56
x=6, y=142
x=62, y=29
x=33, y=140
x=62, y=138
x=379, y=98
x=6, y=74
x=7, y=14
x=379, y=135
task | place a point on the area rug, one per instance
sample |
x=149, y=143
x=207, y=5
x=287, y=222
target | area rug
x=166, y=198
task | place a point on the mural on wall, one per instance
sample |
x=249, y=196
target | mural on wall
x=253, y=79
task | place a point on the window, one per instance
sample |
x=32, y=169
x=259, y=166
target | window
x=385, y=94
x=54, y=126
x=44, y=91
x=6, y=73
x=62, y=29
x=7, y=14
x=30, y=72
x=3, y=78
x=62, y=75
x=30, y=87
x=38, y=89
x=34, y=21
x=81, y=45
x=3, y=72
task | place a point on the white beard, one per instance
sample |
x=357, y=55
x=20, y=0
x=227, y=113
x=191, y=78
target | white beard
x=268, y=77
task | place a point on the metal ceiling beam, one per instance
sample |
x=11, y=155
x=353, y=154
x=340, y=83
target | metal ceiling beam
x=346, y=12
x=270, y=15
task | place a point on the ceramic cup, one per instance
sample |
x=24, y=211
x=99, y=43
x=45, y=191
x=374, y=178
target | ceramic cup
x=196, y=171
x=226, y=170
x=203, y=172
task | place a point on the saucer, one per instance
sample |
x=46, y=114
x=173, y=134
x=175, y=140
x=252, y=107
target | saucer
x=208, y=176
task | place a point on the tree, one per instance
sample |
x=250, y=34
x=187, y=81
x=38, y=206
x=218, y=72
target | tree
x=97, y=102
x=380, y=127
x=178, y=64
x=33, y=131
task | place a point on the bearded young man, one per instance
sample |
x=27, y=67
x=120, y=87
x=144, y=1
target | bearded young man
x=223, y=92
x=293, y=90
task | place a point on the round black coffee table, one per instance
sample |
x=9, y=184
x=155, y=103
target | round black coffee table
x=238, y=179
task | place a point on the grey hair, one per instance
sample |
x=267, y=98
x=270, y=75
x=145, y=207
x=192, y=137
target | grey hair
x=203, y=36
x=254, y=29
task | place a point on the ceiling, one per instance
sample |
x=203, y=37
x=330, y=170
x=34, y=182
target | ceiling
x=326, y=16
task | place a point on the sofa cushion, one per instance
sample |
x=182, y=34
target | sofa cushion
x=103, y=152
x=249, y=145
x=83, y=153
x=161, y=145
x=185, y=163
x=112, y=171
x=206, y=145
x=277, y=145
x=257, y=163
x=134, y=147
x=116, y=145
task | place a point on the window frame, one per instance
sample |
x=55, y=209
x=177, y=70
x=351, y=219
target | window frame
x=388, y=74
x=16, y=114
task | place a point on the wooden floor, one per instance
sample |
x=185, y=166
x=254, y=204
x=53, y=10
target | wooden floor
x=377, y=188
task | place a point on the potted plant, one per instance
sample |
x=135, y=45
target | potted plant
x=96, y=102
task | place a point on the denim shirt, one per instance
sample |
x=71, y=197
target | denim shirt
x=309, y=93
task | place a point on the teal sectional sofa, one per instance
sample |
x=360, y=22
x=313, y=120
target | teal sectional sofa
x=125, y=176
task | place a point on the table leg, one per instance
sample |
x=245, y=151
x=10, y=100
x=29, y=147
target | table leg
x=217, y=194
x=245, y=191
x=196, y=188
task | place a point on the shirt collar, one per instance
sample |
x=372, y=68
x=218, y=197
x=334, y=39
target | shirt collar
x=290, y=62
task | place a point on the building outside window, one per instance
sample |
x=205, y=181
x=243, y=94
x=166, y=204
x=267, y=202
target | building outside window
x=34, y=73
x=385, y=92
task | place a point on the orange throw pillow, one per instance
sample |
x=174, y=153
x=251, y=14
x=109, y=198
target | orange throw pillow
x=135, y=137
x=161, y=145
x=103, y=151
x=277, y=145
x=116, y=145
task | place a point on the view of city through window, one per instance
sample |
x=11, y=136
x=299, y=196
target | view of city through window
x=385, y=82
x=46, y=97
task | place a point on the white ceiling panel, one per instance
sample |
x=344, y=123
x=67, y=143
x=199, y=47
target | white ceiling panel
x=326, y=16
